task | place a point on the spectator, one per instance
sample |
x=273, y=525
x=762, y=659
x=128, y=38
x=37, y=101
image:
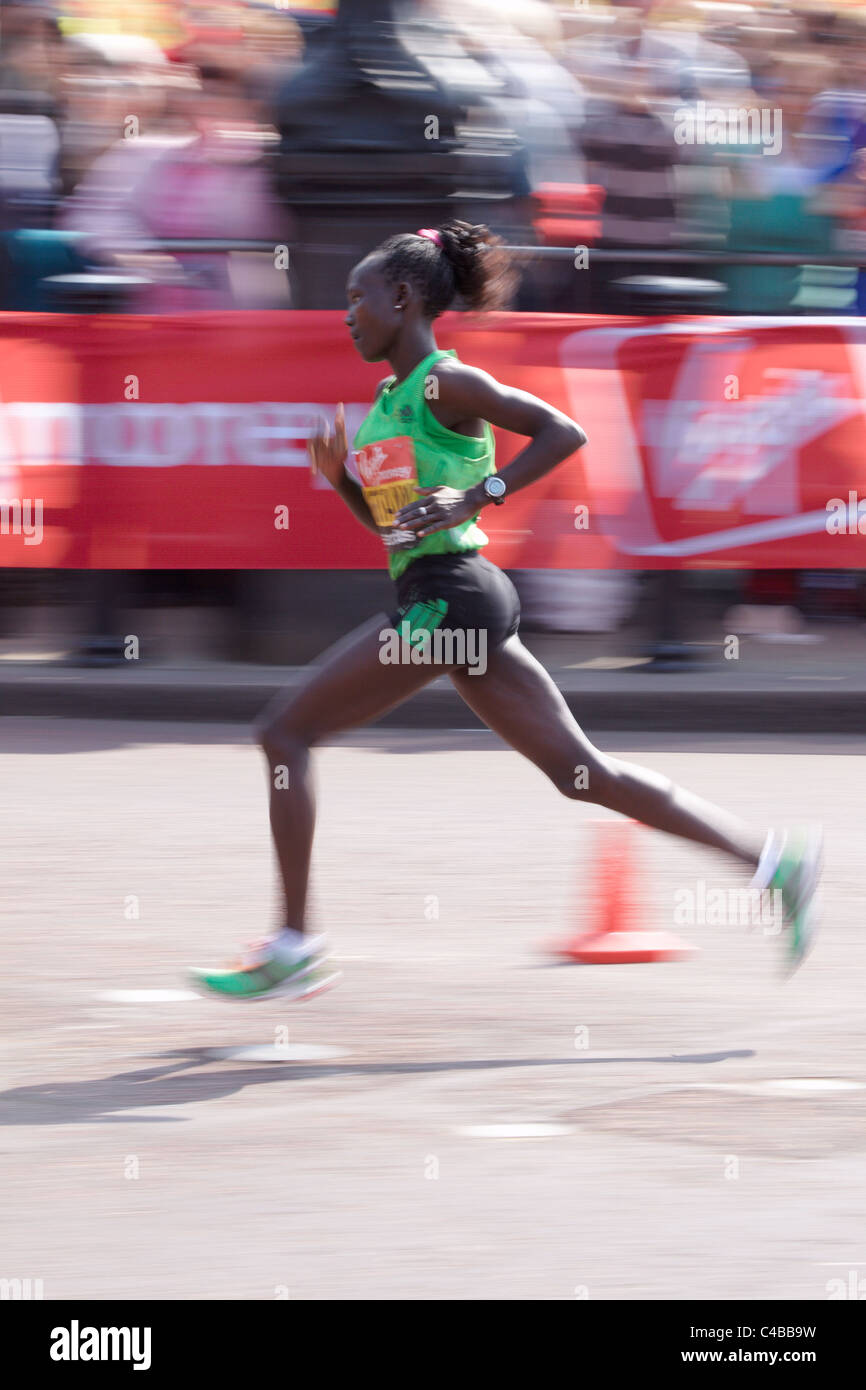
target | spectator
x=30, y=49
x=210, y=184
x=631, y=152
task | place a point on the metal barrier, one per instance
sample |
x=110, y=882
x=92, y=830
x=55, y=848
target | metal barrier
x=674, y=256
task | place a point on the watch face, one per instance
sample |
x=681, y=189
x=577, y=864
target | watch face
x=494, y=487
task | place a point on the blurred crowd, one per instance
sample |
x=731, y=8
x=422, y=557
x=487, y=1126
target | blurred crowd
x=647, y=132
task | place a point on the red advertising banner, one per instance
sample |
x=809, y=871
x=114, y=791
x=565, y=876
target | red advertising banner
x=133, y=441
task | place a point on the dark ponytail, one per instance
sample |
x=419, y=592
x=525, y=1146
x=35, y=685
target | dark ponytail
x=470, y=264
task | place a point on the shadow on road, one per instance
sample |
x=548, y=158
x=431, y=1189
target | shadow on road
x=75, y=1102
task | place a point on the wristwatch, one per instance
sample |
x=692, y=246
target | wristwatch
x=494, y=489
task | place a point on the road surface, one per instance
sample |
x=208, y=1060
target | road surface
x=678, y=1144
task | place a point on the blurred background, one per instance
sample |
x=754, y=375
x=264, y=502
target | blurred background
x=183, y=188
x=153, y=154
x=167, y=119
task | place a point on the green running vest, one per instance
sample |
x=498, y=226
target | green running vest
x=400, y=447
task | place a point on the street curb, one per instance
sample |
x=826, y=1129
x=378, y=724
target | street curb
x=668, y=709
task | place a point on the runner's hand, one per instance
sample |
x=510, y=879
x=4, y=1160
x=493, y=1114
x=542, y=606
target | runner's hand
x=328, y=451
x=442, y=507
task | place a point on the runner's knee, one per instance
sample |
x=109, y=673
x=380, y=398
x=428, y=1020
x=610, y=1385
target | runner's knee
x=615, y=784
x=590, y=778
x=282, y=736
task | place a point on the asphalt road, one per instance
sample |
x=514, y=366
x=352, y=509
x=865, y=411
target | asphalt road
x=674, y=1157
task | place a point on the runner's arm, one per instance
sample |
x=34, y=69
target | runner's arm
x=467, y=393
x=353, y=497
x=351, y=493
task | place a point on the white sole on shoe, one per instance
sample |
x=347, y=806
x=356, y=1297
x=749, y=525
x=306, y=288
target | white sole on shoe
x=306, y=984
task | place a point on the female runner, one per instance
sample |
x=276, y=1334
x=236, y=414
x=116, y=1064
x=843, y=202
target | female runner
x=425, y=459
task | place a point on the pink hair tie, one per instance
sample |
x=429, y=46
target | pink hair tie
x=430, y=233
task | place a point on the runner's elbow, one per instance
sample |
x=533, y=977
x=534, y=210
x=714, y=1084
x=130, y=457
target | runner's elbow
x=573, y=436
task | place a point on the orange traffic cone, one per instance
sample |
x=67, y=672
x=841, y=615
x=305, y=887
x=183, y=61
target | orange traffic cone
x=615, y=939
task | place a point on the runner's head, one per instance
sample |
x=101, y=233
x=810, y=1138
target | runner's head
x=413, y=277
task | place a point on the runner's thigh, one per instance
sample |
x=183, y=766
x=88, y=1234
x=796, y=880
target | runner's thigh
x=519, y=700
x=350, y=684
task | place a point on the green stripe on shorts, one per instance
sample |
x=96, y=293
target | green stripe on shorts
x=424, y=618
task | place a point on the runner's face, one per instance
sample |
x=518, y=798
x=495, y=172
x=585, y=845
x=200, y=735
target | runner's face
x=371, y=317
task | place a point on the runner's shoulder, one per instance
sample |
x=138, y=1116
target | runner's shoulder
x=457, y=379
x=461, y=393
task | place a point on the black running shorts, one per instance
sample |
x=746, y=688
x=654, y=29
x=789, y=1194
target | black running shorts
x=461, y=593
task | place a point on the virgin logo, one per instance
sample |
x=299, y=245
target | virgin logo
x=717, y=456
x=699, y=451
x=386, y=461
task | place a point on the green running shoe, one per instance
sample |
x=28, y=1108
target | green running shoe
x=269, y=970
x=791, y=863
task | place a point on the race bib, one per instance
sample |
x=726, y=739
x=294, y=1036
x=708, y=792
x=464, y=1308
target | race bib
x=389, y=480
